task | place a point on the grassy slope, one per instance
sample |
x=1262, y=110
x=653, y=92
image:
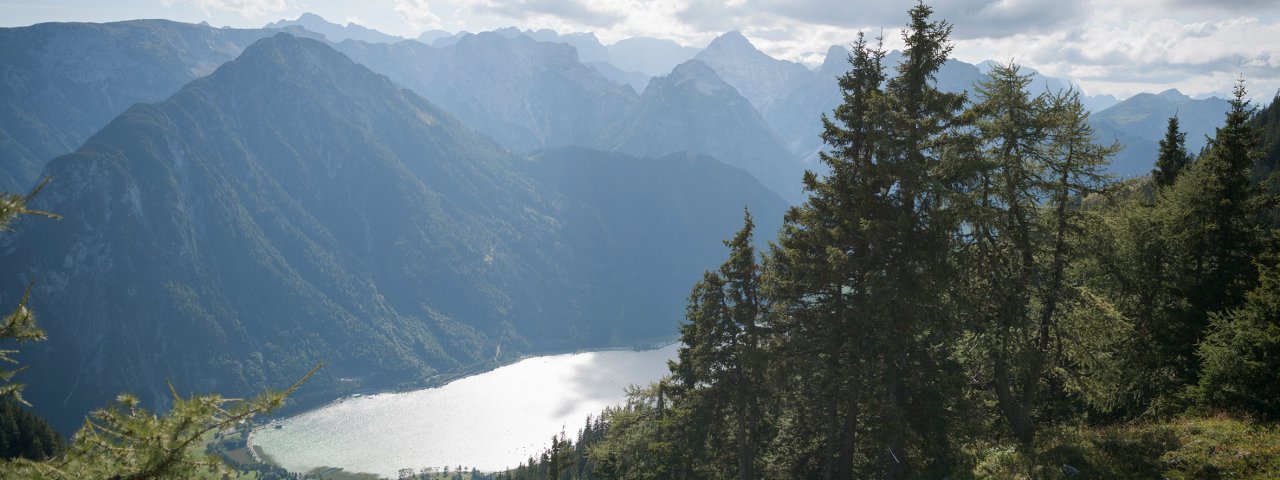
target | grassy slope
x=1183, y=448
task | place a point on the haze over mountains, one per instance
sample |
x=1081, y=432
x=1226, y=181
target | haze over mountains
x=245, y=203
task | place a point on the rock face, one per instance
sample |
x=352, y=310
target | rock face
x=64, y=81
x=693, y=110
x=757, y=76
x=294, y=207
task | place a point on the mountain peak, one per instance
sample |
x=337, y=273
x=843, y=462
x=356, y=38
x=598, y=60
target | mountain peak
x=702, y=76
x=732, y=40
x=284, y=53
x=1173, y=94
x=836, y=61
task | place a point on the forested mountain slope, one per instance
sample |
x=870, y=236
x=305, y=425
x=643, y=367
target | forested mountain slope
x=64, y=81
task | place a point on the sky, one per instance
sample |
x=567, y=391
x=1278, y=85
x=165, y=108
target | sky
x=1105, y=46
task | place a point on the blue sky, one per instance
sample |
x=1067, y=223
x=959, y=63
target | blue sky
x=1107, y=46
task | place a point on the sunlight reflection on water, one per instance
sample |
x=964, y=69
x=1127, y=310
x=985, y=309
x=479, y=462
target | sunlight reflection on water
x=490, y=421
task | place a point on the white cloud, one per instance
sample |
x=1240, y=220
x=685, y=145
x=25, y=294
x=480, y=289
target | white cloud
x=244, y=8
x=1150, y=54
x=417, y=13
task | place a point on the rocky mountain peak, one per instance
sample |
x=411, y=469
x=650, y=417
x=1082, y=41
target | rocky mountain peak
x=733, y=41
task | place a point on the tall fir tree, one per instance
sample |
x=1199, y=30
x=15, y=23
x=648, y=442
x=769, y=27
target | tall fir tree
x=1215, y=226
x=1173, y=155
x=860, y=270
x=722, y=363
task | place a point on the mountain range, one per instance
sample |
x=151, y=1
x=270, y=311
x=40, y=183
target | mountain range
x=789, y=97
x=335, y=32
x=529, y=95
x=1139, y=123
x=293, y=207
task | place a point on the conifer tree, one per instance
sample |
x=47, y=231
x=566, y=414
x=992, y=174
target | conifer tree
x=19, y=325
x=722, y=363
x=1216, y=227
x=1035, y=161
x=1241, y=351
x=860, y=270
x=1173, y=155
x=1001, y=203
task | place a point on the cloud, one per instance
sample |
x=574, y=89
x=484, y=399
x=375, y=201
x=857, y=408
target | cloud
x=1002, y=18
x=972, y=19
x=244, y=8
x=417, y=13
x=1151, y=54
x=574, y=11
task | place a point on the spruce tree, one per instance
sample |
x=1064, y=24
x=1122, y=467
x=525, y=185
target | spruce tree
x=721, y=371
x=860, y=272
x=1216, y=226
x=1173, y=155
x=1241, y=351
x=819, y=281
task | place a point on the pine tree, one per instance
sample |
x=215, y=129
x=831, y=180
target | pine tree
x=1216, y=227
x=1241, y=352
x=721, y=371
x=1173, y=155
x=860, y=269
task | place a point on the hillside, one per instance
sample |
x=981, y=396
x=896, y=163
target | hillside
x=64, y=81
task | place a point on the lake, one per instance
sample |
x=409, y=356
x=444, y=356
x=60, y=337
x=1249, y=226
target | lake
x=491, y=421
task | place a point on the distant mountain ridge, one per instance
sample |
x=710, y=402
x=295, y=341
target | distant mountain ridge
x=524, y=94
x=335, y=32
x=531, y=95
x=693, y=109
x=651, y=56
